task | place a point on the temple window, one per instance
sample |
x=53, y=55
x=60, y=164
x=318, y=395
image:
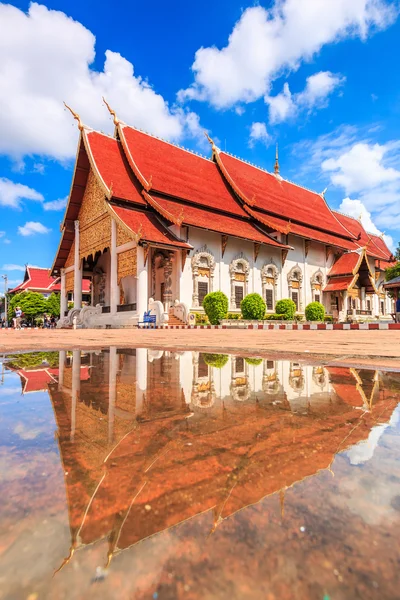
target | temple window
x=295, y=281
x=239, y=270
x=203, y=267
x=317, y=281
x=269, y=278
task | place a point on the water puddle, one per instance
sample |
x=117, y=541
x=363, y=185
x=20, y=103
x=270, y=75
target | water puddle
x=163, y=475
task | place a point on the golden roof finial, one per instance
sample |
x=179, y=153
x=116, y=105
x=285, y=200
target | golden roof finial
x=76, y=116
x=112, y=112
x=360, y=217
x=210, y=140
x=276, y=165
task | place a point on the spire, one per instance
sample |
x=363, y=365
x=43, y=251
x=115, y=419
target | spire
x=112, y=112
x=76, y=116
x=213, y=146
x=276, y=165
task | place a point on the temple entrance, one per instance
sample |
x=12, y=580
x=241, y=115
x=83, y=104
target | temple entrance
x=162, y=286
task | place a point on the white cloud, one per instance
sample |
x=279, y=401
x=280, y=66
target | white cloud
x=11, y=194
x=356, y=209
x=317, y=90
x=258, y=133
x=7, y=241
x=264, y=43
x=2, y=234
x=45, y=58
x=56, y=204
x=12, y=267
x=32, y=227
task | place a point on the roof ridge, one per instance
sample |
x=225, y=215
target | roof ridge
x=156, y=137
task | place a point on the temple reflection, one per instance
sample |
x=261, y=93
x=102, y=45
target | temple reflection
x=149, y=439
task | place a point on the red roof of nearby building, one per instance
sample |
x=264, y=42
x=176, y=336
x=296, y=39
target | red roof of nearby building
x=279, y=197
x=381, y=245
x=375, y=245
x=177, y=172
x=38, y=280
x=113, y=167
x=345, y=265
x=199, y=217
x=339, y=283
x=35, y=381
x=147, y=227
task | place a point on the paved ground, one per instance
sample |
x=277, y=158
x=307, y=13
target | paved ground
x=374, y=348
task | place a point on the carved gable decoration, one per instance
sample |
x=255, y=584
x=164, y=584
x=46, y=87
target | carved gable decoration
x=94, y=220
x=71, y=256
x=127, y=263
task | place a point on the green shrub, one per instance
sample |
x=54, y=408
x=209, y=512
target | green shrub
x=201, y=319
x=253, y=307
x=315, y=311
x=253, y=361
x=297, y=317
x=233, y=316
x=328, y=319
x=216, y=306
x=285, y=307
x=215, y=360
x=275, y=317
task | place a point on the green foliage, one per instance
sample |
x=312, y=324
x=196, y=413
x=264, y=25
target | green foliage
x=253, y=307
x=397, y=252
x=253, y=361
x=285, y=307
x=215, y=360
x=233, y=316
x=328, y=319
x=315, y=311
x=201, y=319
x=32, y=304
x=53, y=305
x=216, y=306
x=392, y=272
x=30, y=360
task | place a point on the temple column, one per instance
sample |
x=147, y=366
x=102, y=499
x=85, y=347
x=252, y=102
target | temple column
x=61, y=368
x=112, y=391
x=77, y=271
x=141, y=377
x=114, y=290
x=63, y=295
x=363, y=298
x=76, y=388
x=142, y=282
x=167, y=297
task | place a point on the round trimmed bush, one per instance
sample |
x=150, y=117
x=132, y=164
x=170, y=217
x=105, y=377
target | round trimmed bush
x=253, y=361
x=216, y=306
x=315, y=311
x=253, y=307
x=286, y=308
x=215, y=360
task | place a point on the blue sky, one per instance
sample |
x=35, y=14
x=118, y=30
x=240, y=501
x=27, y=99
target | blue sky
x=317, y=76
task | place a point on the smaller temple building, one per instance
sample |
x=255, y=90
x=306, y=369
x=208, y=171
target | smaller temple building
x=40, y=280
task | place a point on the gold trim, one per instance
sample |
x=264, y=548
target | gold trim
x=162, y=211
x=112, y=112
x=142, y=179
x=76, y=117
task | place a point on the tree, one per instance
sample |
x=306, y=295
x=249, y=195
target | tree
x=392, y=272
x=53, y=305
x=397, y=252
x=32, y=305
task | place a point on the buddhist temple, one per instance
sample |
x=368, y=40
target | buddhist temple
x=40, y=280
x=153, y=226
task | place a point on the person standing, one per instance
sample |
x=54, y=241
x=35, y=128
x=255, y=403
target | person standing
x=18, y=317
x=398, y=310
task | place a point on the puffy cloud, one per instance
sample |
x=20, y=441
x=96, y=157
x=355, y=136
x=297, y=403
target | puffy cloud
x=45, y=59
x=266, y=42
x=258, y=133
x=32, y=227
x=12, y=267
x=56, y=204
x=12, y=194
x=356, y=209
x=282, y=106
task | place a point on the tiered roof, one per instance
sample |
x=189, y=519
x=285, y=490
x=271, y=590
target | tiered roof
x=140, y=172
x=37, y=279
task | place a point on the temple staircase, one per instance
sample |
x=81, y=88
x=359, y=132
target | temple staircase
x=173, y=320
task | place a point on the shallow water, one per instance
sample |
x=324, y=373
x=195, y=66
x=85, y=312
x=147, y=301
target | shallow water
x=162, y=475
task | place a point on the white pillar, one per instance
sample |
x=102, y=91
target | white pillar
x=76, y=388
x=77, y=271
x=142, y=283
x=61, y=368
x=363, y=298
x=112, y=391
x=114, y=290
x=63, y=295
x=141, y=377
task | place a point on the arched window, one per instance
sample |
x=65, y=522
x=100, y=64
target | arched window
x=295, y=284
x=317, y=283
x=269, y=278
x=203, y=267
x=239, y=270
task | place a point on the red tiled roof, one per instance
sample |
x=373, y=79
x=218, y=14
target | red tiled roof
x=345, y=265
x=384, y=264
x=35, y=381
x=199, y=217
x=280, y=197
x=177, y=172
x=339, y=283
x=364, y=239
x=148, y=227
x=286, y=226
x=36, y=279
x=381, y=245
x=113, y=167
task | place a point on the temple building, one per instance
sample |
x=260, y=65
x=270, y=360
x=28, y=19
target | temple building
x=156, y=227
x=40, y=280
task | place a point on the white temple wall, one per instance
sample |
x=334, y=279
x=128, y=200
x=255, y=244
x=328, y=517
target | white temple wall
x=129, y=285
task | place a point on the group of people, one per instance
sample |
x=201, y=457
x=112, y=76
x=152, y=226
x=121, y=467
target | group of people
x=49, y=322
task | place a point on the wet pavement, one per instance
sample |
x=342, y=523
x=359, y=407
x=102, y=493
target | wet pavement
x=142, y=473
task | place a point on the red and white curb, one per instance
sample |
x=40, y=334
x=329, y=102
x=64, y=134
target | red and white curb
x=297, y=326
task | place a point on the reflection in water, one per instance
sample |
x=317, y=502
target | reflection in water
x=149, y=439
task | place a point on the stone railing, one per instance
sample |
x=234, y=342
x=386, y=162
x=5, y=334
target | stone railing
x=156, y=308
x=181, y=311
